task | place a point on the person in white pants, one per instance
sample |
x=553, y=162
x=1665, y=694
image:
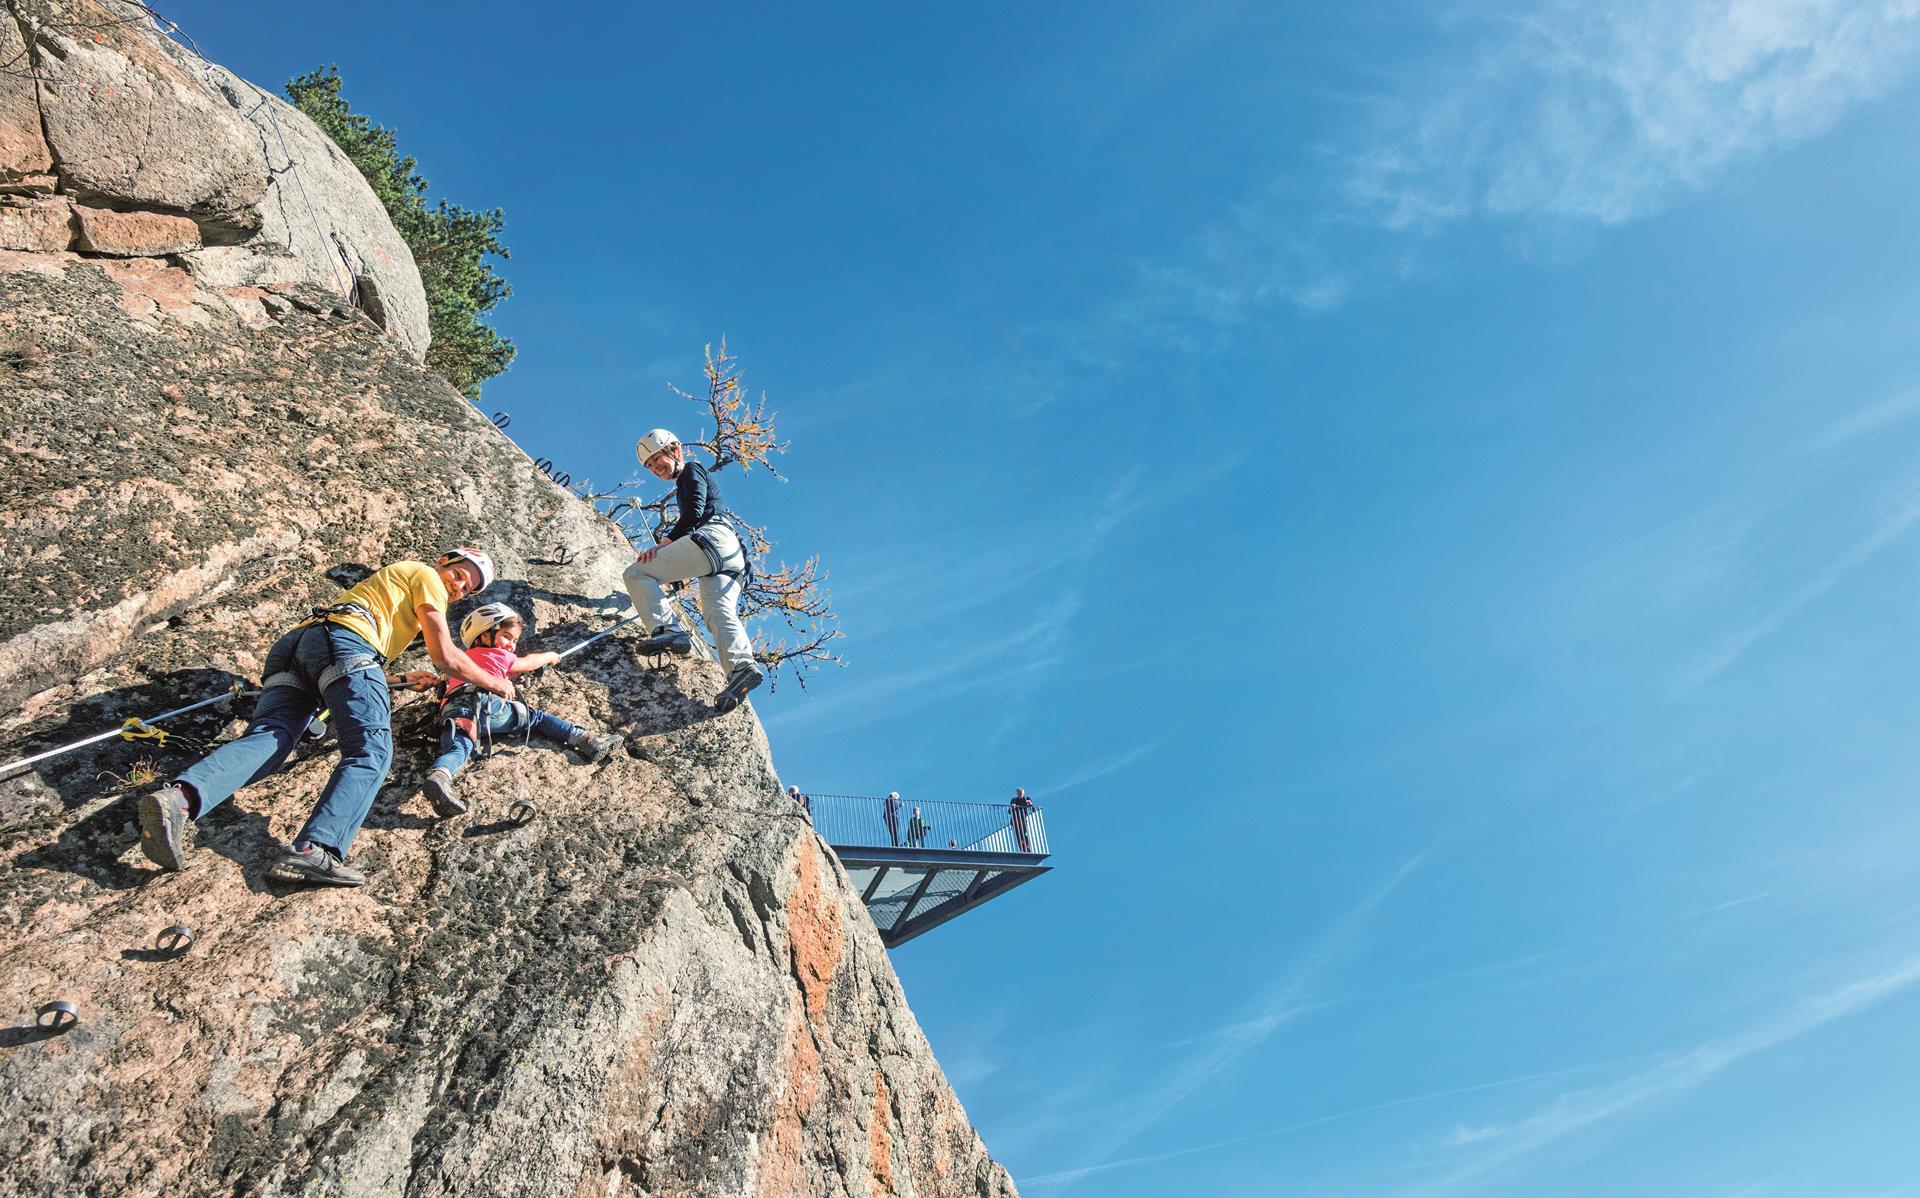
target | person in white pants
x=701, y=547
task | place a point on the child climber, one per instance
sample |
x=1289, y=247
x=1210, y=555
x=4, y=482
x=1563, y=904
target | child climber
x=336, y=658
x=701, y=545
x=472, y=717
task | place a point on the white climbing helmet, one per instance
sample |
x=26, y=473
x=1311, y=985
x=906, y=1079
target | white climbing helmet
x=484, y=619
x=478, y=557
x=653, y=443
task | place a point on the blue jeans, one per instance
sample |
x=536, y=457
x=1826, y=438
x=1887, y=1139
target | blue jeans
x=495, y=720
x=361, y=708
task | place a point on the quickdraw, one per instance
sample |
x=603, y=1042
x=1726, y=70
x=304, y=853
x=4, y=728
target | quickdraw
x=138, y=729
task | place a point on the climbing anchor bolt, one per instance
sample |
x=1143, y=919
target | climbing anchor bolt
x=522, y=812
x=174, y=941
x=56, y=1016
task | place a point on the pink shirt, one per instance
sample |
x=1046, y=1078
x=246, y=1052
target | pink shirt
x=494, y=661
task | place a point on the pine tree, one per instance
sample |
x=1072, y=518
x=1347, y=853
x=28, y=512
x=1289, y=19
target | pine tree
x=451, y=245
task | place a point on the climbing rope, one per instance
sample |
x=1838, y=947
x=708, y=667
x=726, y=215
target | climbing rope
x=596, y=636
x=133, y=729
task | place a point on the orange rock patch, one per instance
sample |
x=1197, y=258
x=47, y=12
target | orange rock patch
x=149, y=287
x=815, y=935
x=879, y=1139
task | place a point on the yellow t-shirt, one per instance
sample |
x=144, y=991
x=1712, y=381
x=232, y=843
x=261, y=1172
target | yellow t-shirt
x=393, y=594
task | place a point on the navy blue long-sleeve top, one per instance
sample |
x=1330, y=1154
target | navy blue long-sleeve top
x=695, y=498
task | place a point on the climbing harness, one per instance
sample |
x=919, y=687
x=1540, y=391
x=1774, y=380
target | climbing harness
x=175, y=940
x=355, y=664
x=716, y=558
x=349, y=608
x=56, y=1016
x=238, y=691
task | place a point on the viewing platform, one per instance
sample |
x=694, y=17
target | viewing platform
x=916, y=875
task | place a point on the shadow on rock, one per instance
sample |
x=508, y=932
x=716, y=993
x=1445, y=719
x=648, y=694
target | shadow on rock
x=84, y=774
x=16, y=1037
x=348, y=574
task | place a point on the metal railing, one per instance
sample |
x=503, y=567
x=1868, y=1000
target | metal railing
x=864, y=821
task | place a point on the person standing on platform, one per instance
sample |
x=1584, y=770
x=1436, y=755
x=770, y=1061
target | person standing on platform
x=892, y=812
x=1018, y=811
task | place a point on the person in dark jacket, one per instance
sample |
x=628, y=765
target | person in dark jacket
x=892, y=812
x=917, y=830
x=700, y=546
x=1018, y=812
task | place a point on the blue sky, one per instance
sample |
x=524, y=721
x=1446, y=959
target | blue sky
x=1424, y=498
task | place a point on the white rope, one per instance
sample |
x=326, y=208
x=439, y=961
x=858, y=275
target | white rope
x=235, y=693
x=596, y=636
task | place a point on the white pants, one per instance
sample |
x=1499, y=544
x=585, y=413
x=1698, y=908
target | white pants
x=683, y=559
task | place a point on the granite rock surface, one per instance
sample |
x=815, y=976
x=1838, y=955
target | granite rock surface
x=130, y=123
x=662, y=985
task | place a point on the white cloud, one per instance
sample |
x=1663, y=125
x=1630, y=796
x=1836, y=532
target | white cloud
x=1564, y=117
x=1303, y=1124
x=1501, y=1144
x=1096, y=769
x=1612, y=112
x=1889, y=529
x=1284, y=999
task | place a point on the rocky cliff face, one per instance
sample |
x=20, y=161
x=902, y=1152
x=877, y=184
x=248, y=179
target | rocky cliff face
x=116, y=142
x=662, y=985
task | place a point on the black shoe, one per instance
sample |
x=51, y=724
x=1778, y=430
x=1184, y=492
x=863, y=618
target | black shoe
x=671, y=638
x=594, y=748
x=439, y=791
x=742, y=680
x=163, y=827
x=318, y=864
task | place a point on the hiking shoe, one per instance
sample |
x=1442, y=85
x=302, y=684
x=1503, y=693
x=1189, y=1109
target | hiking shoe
x=163, y=827
x=594, y=748
x=671, y=638
x=742, y=680
x=317, y=864
x=439, y=789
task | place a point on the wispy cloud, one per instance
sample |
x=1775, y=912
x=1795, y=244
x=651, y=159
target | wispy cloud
x=1742, y=901
x=1284, y=998
x=1868, y=420
x=1096, y=769
x=1501, y=1144
x=1570, y=116
x=1318, y=1121
x=1894, y=523
x=1612, y=112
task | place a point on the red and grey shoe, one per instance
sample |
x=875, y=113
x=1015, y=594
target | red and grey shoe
x=317, y=863
x=163, y=827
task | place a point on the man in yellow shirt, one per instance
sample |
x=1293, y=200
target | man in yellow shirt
x=336, y=659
